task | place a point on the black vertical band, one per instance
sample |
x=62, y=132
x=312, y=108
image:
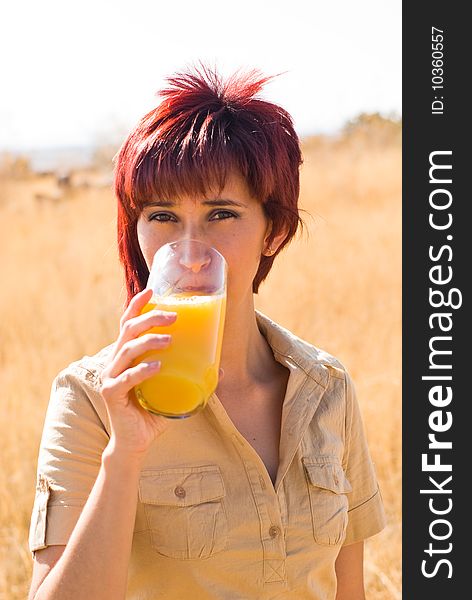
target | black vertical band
x=437, y=476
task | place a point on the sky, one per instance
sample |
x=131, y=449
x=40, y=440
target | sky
x=83, y=73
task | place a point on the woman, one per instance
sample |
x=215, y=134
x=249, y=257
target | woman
x=269, y=491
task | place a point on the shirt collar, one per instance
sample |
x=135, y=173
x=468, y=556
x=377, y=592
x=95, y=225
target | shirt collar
x=293, y=352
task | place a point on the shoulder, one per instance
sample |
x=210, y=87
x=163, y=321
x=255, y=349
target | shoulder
x=76, y=389
x=316, y=356
x=87, y=370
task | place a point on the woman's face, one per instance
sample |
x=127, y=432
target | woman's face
x=232, y=221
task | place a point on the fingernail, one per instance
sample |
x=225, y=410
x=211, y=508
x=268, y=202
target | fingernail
x=154, y=364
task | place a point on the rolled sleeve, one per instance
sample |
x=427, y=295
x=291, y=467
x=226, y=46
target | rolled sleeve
x=72, y=443
x=366, y=515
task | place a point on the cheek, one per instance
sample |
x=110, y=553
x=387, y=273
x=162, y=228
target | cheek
x=147, y=241
x=243, y=256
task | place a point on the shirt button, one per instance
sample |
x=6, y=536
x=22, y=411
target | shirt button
x=179, y=492
x=274, y=531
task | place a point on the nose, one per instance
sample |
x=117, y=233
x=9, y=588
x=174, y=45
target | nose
x=195, y=264
x=194, y=257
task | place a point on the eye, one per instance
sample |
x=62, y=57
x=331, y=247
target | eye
x=219, y=215
x=226, y=215
x=161, y=217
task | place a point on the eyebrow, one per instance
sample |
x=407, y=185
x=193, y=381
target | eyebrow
x=214, y=202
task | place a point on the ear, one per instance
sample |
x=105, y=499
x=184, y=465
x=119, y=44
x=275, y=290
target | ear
x=271, y=248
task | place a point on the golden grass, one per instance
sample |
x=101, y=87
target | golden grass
x=340, y=288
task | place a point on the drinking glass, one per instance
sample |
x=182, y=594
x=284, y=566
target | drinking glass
x=187, y=277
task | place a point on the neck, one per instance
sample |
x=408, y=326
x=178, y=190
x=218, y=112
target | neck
x=246, y=357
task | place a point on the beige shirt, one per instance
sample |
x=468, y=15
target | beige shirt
x=210, y=525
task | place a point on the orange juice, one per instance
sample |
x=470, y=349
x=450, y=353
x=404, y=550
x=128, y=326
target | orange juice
x=189, y=365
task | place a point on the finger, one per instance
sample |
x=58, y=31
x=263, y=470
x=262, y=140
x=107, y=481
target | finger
x=133, y=349
x=138, y=302
x=122, y=385
x=141, y=324
x=221, y=374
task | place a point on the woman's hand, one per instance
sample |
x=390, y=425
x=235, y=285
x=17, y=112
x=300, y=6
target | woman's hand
x=133, y=429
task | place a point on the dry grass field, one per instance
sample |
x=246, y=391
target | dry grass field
x=338, y=286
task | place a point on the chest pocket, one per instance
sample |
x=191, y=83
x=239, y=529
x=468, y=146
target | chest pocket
x=327, y=488
x=184, y=510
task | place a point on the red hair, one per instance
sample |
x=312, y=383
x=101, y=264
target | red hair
x=203, y=129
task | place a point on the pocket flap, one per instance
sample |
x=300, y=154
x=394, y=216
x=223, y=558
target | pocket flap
x=181, y=486
x=327, y=475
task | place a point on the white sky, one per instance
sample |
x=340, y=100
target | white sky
x=76, y=73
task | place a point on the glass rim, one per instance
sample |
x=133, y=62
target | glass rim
x=194, y=240
x=172, y=248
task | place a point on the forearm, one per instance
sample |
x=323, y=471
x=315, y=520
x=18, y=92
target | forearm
x=95, y=561
x=350, y=572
